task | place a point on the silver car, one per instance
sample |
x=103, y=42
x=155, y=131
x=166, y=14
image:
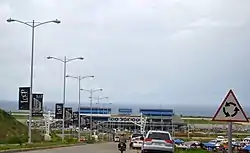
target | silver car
x=157, y=142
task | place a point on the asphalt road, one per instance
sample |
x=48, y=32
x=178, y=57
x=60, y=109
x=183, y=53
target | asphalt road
x=109, y=147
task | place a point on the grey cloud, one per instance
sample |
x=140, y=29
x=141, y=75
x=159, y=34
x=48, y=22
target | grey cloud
x=165, y=51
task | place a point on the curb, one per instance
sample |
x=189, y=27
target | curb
x=40, y=148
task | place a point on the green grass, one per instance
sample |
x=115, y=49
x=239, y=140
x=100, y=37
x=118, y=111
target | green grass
x=11, y=129
x=36, y=145
x=202, y=121
x=20, y=112
x=25, y=117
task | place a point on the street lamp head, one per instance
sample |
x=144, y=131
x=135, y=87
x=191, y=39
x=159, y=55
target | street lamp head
x=49, y=57
x=57, y=21
x=10, y=20
x=101, y=89
x=80, y=58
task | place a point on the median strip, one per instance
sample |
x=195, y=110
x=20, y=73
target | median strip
x=6, y=149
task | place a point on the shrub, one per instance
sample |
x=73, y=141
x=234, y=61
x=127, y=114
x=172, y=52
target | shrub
x=70, y=140
x=17, y=140
x=55, y=137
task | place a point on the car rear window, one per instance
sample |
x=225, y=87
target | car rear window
x=159, y=136
x=136, y=135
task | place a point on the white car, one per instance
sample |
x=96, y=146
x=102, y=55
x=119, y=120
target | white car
x=215, y=142
x=157, y=141
x=117, y=139
x=135, y=138
x=136, y=142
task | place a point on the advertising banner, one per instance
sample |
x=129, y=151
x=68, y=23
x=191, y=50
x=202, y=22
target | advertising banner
x=37, y=105
x=24, y=98
x=75, y=116
x=59, y=111
x=68, y=113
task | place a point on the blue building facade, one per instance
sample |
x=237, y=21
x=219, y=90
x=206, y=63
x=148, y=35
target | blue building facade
x=157, y=119
x=125, y=111
x=157, y=112
x=95, y=110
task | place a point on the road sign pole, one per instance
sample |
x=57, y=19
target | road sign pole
x=230, y=133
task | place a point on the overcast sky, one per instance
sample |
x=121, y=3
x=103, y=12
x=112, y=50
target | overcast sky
x=140, y=51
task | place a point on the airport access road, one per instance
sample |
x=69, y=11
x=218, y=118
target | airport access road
x=109, y=147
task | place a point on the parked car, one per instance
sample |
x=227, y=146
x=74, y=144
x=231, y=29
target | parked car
x=157, y=141
x=135, y=141
x=136, y=135
x=117, y=139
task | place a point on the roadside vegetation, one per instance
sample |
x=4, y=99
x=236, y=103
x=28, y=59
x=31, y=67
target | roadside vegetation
x=14, y=135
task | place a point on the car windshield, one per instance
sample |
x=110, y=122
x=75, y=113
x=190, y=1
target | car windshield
x=136, y=135
x=213, y=141
x=159, y=136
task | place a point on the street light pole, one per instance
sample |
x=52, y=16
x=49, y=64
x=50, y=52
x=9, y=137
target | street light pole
x=64, y=61
x=64, y=94
x=33, y=26
x=79, y=108
x=91, y=117
x=91, y=103
x=79, y=78
x=98, y=101
x=103, y=107
x=31, y=82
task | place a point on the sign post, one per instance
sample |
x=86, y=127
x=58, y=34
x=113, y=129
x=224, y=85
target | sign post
x=230, y=111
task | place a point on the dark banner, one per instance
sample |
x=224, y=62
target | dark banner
x=24, y=98
x=59, y=111
x=37, y=105
x=75, y=116
x=68, y=113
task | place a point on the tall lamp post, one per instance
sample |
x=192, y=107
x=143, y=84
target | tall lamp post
x=33, y=25
x=79, y=78
x=64, y=61
x=98, y=101
x=103, y=106
x=103, y=110
x=91, y=91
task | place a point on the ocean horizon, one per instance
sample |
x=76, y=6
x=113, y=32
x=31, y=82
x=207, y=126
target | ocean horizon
x=184, y=110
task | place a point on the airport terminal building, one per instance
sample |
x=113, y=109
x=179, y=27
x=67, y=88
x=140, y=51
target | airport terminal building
x=150, y=119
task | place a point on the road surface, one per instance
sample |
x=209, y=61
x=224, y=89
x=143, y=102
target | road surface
x=109, y=147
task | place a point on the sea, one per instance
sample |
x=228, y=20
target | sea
x=184, y=110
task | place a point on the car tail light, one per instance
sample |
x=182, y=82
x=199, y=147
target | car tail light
x=148, y=139
x=169, y=141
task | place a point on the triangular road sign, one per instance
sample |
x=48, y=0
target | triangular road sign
x=230, y=110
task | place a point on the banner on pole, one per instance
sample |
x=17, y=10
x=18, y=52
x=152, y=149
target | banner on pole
x=75, y=116
x=68, y=113
x=24, y=98
x=59, y=111
x=37, y=105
